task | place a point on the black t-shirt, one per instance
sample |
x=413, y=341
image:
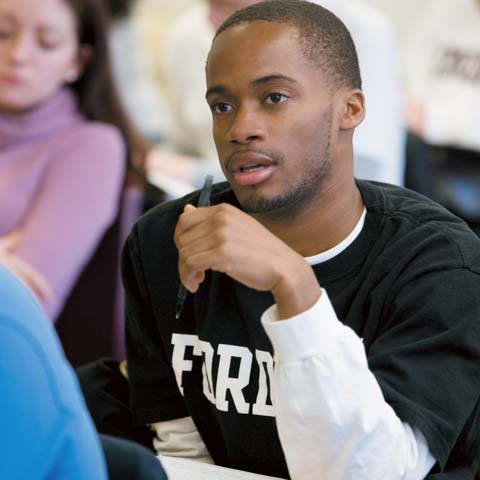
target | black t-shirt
x=409, y=286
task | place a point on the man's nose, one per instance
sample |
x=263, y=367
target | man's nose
x=247, y=126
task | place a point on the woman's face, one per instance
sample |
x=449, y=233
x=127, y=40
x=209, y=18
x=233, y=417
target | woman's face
x=38, y=51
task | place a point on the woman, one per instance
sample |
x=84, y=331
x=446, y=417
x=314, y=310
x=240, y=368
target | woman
x=66, y=145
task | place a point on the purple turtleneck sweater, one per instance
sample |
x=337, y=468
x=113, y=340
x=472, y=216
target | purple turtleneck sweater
x=60, y=181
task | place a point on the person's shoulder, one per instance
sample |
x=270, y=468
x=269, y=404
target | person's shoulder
x=28, y=339
x=193, y=20
x=97, y=134
x=393, y=201
x=371, y=15
x=96, y=144
x=16, y=299
x=189, y=38
x=360, y=16
x=40, y=395
x=419, y=218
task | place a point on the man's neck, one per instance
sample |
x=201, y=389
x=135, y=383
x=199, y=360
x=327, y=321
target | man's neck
x=323, y=224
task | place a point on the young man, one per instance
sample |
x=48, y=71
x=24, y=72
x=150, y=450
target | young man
x=331, y=330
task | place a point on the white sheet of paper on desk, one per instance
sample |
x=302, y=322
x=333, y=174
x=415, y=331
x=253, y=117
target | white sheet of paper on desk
x=184, y=469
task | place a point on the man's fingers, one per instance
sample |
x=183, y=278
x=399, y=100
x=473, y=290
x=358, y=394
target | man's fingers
x=193, y=236
x=193, y=282
x=216, y=258
x=189, y=219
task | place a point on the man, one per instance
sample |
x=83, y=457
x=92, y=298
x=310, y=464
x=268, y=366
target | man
x=331, y=330
x=378, y=144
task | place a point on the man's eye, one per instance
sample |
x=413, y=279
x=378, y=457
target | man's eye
x=275, y=98
x=221, y=107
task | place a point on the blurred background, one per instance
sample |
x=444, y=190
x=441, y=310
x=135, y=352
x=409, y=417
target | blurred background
x=420, y=65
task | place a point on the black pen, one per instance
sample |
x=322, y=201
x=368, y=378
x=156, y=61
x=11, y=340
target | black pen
x=203, y=201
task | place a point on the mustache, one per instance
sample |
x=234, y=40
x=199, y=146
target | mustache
x=276, y=156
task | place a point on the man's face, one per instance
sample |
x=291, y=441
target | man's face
x=272, y=117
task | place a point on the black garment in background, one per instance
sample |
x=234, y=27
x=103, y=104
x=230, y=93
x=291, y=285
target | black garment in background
x=439, y=172
x=106, y=392
x=152, y=196
x=87, y=323
x=129, y=461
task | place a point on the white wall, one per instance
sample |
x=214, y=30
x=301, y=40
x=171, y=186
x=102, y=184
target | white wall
x=401, y=12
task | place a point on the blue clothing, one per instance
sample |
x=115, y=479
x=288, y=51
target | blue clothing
x=45, y=429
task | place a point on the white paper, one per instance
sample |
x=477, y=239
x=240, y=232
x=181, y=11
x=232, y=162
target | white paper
x=184, y=469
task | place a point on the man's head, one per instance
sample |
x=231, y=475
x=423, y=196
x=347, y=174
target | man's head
x=283, y=84
x=323, y=38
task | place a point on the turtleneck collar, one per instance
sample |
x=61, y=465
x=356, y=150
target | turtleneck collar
x=56, y=113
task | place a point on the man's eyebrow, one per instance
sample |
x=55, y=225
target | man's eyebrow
x=255, y=83
x=216, y=89
x=271, y=78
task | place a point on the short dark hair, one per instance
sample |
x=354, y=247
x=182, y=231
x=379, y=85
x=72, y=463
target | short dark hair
x=323, y=37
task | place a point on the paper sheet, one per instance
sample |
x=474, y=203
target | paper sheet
x=184, y=469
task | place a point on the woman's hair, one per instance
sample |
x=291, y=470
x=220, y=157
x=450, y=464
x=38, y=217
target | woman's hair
x=95, y=88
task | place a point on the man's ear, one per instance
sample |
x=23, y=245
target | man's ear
x=353, y=109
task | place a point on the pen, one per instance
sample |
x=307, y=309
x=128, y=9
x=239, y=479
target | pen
x=203, y=201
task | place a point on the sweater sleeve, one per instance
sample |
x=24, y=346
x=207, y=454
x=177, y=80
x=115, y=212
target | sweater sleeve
x=321, y=366
x=76, y=203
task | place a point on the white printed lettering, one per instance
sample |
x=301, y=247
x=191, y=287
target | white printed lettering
x=235, y=385
x=179, y=363
x=265, y=367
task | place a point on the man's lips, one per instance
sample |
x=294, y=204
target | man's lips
x=250, y=168
x=245, y=161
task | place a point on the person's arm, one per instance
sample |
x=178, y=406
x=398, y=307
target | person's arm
x=325, y=394
x=74, y=206
x=180, y=438
x=189, y=152
x=46, y=429
x=325, y=353
x=350, y=445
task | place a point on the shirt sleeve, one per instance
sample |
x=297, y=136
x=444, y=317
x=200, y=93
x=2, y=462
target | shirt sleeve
x=77, y=202
x=180, y=438
x=154, y=394
x=325, y=394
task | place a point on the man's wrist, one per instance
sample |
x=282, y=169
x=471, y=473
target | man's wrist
x=296, y=291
